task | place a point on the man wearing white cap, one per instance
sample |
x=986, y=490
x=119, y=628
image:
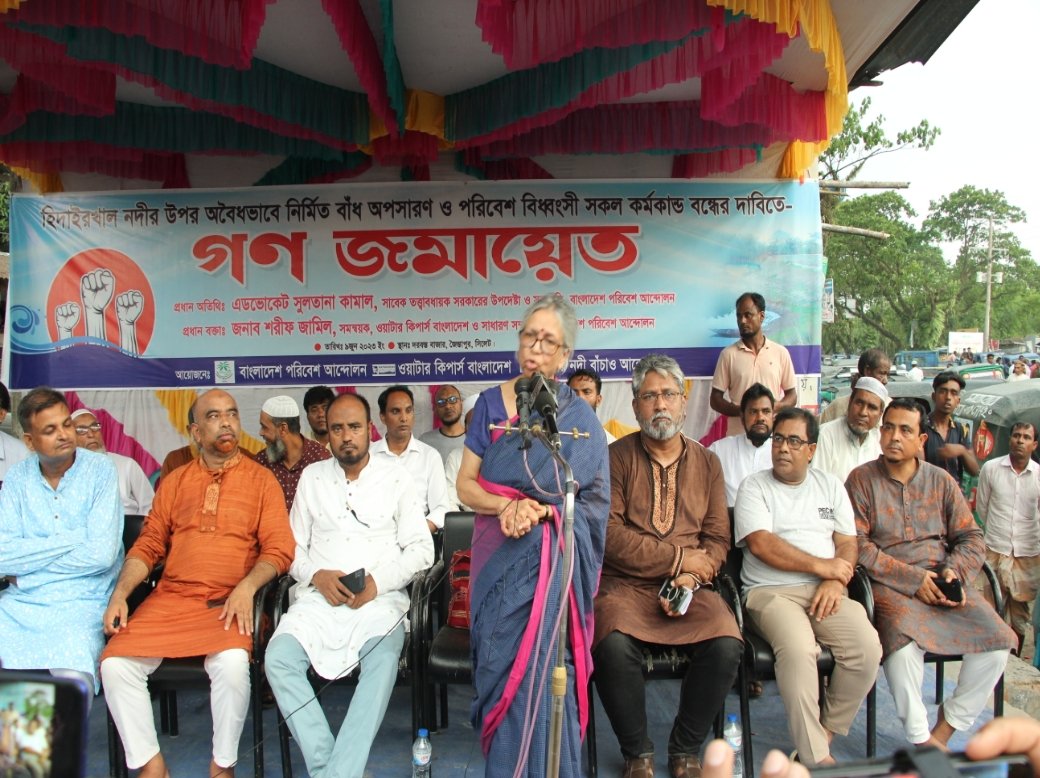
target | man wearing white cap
x=847, y=443
x=134, y=487
x=453, y=461
x=287, y=451
x=915, y=373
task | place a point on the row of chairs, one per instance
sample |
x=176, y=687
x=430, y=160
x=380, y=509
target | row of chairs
x=437, y=655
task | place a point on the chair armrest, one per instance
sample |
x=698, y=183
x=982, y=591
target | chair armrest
x=994, y=587
x=259, y=598
x=280, y=603
x=727, y=589
x=861, y=591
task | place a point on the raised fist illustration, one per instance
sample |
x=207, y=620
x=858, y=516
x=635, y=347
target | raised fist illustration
x=129, y=306
x=66, y=316
x=97, y=288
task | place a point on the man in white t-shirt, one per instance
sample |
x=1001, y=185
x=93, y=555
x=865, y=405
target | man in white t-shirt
x=742, y=455
x=799, y=537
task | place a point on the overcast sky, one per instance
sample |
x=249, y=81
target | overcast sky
x=980, y=89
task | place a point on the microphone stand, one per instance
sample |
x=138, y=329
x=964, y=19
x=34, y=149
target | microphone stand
x=559, y=674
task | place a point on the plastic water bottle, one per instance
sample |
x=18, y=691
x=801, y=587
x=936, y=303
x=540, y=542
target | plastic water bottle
x=422, y=753
x=734, y=735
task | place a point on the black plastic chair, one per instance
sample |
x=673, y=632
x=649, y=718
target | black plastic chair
x=409, y=667
x=445, y=650
x=189, y=672
x=940, y=660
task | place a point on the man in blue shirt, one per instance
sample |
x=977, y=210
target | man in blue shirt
x=61, y=528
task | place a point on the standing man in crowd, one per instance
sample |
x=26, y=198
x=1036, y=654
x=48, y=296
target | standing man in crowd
x=61, y=545
x=949, y=444
x=752, y=359
x=797, y=528
x=668, y=522
x=873, y=363
x=397, y=412
x=589, y=386
x=915, y=373
x=916, y=533
x=450, y=436
x=287, y=451
x=315, y=401
x=742, y=455
x=1007, y=503
x=380, y=531
x=134, y=487
x=12, y=450
x=221, y=527
x=847, y=443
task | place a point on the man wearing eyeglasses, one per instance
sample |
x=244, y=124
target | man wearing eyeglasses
x=354, y=512
x=668, y=522
x=451, y=434
x=799, y=538
x=134, y=487
x=397, y=412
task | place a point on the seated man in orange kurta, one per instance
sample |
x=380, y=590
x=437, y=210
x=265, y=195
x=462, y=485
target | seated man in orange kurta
x=221, y=527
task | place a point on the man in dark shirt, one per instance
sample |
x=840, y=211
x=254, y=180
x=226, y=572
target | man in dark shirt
x=949, y=444
x=287, y=451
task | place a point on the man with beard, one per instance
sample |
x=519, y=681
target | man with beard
x=315, y=401
x=286, y=452
x=353, y=512
x=914, y=529
x=847, y=443
x=752, y=359
x=134, y=487
x=220, y=526
x=397, y=412
x=873, y=363
x=949, y=443
x=799, y=539
x=450, y=436
x=742, y=455
x=668, y=522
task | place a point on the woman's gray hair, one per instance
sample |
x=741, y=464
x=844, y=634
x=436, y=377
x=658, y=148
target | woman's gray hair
x=564, y=311
x=661, y=364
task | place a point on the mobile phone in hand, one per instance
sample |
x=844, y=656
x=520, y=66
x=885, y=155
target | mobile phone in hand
x=355, y=582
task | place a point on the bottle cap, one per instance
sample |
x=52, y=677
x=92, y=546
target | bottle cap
x=424, y=732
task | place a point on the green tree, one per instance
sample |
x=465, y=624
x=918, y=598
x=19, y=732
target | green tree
x=963, y=219
x=893, y=290
x=860, y=140
x=8, y=183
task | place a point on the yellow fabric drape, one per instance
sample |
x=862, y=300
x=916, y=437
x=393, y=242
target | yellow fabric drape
x=44, y=183
x=425, y=113
x=816, y=21
x=10, y=5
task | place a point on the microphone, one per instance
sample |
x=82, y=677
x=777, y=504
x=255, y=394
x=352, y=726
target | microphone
x=546, y=403
x=523, y=408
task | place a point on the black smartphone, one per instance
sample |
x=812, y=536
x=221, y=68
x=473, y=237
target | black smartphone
x=923, y=763
x=50, y=713
x=951, y=590
x=355, y=582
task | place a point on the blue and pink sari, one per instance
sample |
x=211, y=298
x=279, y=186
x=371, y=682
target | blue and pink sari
x=517, y=583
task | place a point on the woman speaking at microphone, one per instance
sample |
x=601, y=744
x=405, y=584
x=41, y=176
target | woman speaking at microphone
x=517, y=491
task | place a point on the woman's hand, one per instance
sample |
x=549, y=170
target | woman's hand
x=518, y=517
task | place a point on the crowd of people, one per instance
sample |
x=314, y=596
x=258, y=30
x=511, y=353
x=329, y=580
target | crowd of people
x=657, y=515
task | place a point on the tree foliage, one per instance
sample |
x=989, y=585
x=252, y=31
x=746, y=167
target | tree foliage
x=8, y=184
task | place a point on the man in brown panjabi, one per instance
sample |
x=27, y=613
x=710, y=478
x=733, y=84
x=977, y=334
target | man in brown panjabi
x=668, y=522
x=221, y=527
x=915, y=532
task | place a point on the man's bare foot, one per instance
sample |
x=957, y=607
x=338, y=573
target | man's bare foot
x=933, y=741
x=154, y=768
x=941, y=732
x=216, y=771
x=826, y=761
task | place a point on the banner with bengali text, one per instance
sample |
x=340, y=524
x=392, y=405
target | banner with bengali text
x=385, y=283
